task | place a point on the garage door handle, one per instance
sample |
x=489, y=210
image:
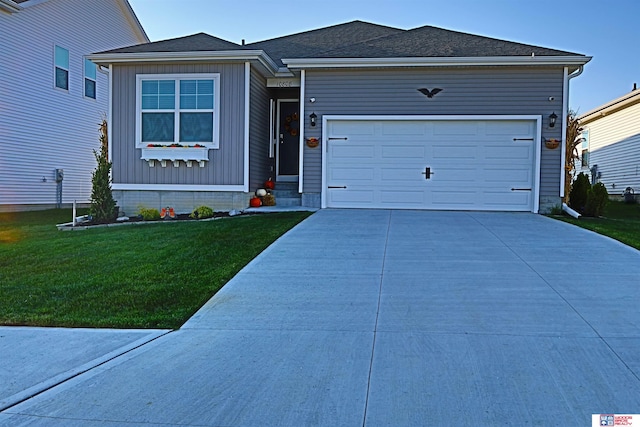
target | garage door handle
x=337, y=186
x=521, y=189
x=427, y=173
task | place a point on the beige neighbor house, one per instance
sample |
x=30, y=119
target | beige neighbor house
x=52, y=98
x=611, y=143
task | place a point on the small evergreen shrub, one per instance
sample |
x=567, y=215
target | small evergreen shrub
x=597, y=199
x=103, y=206
x=149, y=214
x=579, y=191
x=202, y=212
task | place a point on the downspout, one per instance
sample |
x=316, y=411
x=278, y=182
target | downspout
x=302, y=126
x=565, y=109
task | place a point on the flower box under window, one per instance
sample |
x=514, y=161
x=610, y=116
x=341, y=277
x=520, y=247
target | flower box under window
x=175, y=154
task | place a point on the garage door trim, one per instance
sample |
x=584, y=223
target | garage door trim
x=537, y=140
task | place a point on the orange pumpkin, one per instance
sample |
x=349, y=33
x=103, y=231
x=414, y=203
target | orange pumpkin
x=269, y=184
x=255, y=202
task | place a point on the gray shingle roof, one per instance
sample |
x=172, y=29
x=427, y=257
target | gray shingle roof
x=357, y=39
x=200, y=42
x=430, y=41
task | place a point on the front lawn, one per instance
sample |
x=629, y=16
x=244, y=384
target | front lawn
x=134, y=276
x=621, y=221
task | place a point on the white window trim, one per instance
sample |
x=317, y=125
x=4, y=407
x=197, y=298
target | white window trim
x=55, y=86
x=95, y=81
x=177, y=77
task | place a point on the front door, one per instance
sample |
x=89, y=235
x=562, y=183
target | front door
x=288, y=148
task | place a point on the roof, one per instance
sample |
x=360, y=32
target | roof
x=611, y=107
x=359, y=40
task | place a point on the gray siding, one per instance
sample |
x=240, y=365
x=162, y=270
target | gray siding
x=466, y=91
x=225, y=165
x=259, y=161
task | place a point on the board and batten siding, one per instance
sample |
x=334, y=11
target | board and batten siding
x=465, y=91
x=614, y=145
x=259, y=139
x=43, y=128
x=225, y=165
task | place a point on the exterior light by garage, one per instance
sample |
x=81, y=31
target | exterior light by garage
x=552, y=120
x=313, y=118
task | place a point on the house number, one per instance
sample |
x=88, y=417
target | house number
x=286, y=83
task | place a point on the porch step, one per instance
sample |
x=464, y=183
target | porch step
x=286, y=194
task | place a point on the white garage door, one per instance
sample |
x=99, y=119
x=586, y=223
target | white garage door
x=431, y=164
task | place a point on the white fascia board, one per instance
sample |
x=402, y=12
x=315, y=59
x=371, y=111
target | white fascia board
x=225, y=55
x=434, y=62
x=10, y=6
x=176, y=187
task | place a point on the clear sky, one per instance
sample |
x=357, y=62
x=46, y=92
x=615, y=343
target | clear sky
x=607, y=30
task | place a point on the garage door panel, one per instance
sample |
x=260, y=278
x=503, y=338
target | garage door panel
x=353, y=151
x=454, y=152
x=455, y=128
x=349, y=174
x=474, y=164
x=404, y=128
x=404, y=198
x=514, y=177
x=404, y=176
x=511, y=152
x=404, y=151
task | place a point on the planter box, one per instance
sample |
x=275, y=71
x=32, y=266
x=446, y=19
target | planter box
x=175, y=155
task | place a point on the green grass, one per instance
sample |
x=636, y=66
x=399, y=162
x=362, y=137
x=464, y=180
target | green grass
x=621, y=221
x=136, y=276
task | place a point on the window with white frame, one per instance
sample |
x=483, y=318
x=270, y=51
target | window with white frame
x=61, y=68
x=177, y=110
x=89, y=79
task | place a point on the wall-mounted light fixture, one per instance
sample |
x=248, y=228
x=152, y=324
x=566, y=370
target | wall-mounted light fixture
x=552, y=120
x=313, y=118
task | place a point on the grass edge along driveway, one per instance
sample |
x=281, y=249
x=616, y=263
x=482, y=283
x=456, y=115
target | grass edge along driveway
x=621, y=221
x=137, y=276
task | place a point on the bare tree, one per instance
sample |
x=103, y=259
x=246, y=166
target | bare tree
x=572, y=141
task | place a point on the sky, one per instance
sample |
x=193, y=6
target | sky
x=606, y=30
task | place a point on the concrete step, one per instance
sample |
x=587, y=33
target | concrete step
x=288, y=201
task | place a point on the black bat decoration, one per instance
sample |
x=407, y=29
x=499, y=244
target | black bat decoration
x=430, y=93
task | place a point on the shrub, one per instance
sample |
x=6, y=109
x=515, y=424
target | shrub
x=149, y=214
x=597, y=199
x=579, y=191
x=202, y=212
x=103, y=206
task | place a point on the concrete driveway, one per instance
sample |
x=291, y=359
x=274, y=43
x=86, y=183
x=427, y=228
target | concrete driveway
x=388, y=318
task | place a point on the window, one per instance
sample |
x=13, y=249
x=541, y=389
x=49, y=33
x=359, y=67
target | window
x=585, y=149
x=177, y=109
x=89, y=79
x=61, y=68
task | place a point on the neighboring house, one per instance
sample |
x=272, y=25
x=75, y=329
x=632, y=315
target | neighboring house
x=355, y=115
x=611, y=143
x=52, y=98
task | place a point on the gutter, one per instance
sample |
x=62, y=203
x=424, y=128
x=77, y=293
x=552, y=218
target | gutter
x=225, y=55
x=624, y=101
x=565, y=122
x=577, y=61
x=9, y=6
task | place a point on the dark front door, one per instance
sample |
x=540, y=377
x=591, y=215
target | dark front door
x=288, y=139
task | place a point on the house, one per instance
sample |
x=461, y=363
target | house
x=355, y=115
x=52, y=98
x=611, y=143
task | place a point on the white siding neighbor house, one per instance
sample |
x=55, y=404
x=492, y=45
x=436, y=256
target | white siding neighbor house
x=52, y=98
x=611, y=143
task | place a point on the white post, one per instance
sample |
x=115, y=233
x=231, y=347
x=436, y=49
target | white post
x=73, y=221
